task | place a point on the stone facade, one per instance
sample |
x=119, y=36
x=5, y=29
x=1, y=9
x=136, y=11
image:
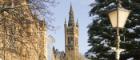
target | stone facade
x=22, y=35
x=58, y=55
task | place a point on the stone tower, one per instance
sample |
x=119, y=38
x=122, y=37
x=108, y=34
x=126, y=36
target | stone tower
x=71, y=37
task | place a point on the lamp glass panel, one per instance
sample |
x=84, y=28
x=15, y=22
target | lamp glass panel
x=121, y=15
x=113, y=18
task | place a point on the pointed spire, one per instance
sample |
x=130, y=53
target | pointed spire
x=71, y=17
x=71, y=9
x=65, y=21
x=77, y=23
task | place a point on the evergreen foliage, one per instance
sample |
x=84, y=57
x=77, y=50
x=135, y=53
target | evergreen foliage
x=102, y=35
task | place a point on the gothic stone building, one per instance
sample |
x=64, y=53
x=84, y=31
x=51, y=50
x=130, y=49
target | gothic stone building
x=58, y=55
x=22, y=35
x=71, y=40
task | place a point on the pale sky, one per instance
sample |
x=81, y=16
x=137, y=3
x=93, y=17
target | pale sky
x=81, y=12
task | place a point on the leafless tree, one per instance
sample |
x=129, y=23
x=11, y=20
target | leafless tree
x=39, y=8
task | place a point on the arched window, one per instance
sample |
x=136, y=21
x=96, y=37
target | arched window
x=70, y=41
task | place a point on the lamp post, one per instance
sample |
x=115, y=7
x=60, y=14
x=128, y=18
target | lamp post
x=118, y=18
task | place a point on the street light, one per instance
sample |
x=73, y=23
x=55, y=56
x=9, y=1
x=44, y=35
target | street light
x=118, y=18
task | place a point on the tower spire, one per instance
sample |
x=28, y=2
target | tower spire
x=71, y=38
x=71, y=17
x=65, y=21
